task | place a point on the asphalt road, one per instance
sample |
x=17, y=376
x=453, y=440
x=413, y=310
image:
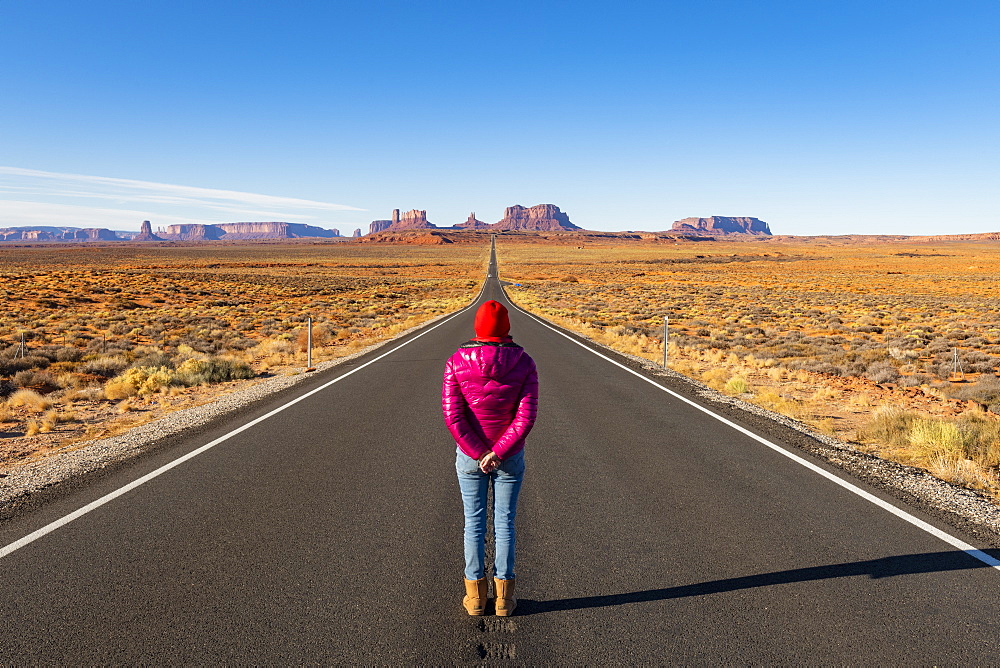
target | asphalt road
x=330, y=532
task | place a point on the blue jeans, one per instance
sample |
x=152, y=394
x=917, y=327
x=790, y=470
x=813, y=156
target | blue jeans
x=475, y=486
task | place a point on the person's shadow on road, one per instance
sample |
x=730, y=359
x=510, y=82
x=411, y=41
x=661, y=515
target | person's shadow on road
x=887, y=567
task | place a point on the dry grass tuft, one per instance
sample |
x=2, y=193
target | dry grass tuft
x=29, y=399
x=737, y=386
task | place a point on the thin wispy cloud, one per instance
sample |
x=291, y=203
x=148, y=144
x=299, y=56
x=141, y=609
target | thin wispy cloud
x=16, y=213
x=29, y=197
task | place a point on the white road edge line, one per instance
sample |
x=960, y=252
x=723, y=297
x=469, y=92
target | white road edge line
x=111, y=496
x=898, y=512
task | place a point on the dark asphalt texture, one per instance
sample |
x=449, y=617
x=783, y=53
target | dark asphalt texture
x=330, y=533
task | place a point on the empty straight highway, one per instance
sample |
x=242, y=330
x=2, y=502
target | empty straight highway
x=330, y=531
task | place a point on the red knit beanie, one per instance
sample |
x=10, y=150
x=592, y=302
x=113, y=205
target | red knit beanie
x=492, y=322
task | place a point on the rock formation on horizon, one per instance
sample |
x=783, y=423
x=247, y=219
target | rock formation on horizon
x=14, y=234
x=415, y=219
x=243, y=231
x=412, y=220
x=473, y=223
x=90, y=234
x=48, y=233
x=146, y=233
x=722, y=225
x=357, y=233
x=541, y=218
x=379, y=226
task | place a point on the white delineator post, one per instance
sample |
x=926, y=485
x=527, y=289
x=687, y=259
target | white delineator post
x=309, y=345
x=666, y=334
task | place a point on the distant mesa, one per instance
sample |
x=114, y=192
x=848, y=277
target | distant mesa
x=414, y=219
x=411, y=220
x=90, y=234
x=721, y=225
x=357, y=233
x=47, y=233
x=379, y=226
x=241, y=231
x=539, y=218
x=185, y=232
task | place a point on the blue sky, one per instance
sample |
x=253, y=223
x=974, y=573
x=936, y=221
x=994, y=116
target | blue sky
x=817, y=117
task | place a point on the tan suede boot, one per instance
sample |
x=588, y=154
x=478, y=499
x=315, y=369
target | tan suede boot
x=475, y=596
x=505, y=601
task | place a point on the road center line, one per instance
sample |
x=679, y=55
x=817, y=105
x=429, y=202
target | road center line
x=885, y=505
x=93, y=505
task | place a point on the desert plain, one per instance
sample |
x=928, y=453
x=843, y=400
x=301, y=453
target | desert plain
x=890, y=345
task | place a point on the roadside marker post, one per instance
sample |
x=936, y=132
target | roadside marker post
x=309, y=345
x=666, y=334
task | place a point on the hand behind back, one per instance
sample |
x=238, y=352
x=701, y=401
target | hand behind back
x=489, y=462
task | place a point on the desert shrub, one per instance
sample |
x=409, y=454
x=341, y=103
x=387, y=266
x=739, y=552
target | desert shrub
x=882, y=372
x=974, y=356
x=983, y=367
x=898, y=345
x=138, y=381
x=202, y=346
x=120, y=328
x=815, y=366
x=42, y=380
x=154, y=358
x=10, y=366
x=107, y=366
x=905, y=354
x=915, y=380
x=938, y=346
x=48, y=352
x=212, y=370
x=942, y=370
x=320, y=337
x=69, y=354
x=241, y=343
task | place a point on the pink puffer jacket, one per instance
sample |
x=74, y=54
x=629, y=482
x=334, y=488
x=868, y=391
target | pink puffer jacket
x=490, y=398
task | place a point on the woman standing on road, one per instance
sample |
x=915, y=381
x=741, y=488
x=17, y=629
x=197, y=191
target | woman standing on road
x=490, y=399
